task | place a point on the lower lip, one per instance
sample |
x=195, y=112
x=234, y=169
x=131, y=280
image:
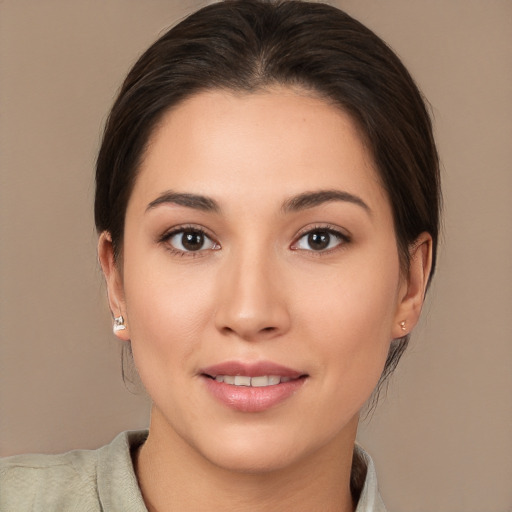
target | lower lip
x=253, y=399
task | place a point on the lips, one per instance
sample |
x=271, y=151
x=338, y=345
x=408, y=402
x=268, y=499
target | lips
x=258, y=369
x=252, y=387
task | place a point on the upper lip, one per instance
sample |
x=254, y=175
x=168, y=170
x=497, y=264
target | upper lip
x=253, y=369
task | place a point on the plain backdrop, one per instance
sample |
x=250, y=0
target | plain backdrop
x=441, y=438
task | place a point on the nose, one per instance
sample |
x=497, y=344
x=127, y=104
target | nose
x=253, y=303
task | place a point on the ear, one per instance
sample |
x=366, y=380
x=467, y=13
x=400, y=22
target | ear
x=412, y=290
x=114, y=281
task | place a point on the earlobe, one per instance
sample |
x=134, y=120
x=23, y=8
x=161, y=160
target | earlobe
x=114, y=282
x=413, y=291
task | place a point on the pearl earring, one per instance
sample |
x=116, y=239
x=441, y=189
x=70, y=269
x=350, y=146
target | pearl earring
x=118, y=324
x=402, y=325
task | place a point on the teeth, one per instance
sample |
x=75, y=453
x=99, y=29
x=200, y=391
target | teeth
x=260, y=382
x=241, y=380
x=255, y=382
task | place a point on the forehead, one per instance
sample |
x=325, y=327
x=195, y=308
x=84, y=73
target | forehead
x=270, y=144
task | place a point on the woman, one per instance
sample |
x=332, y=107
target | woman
x=267, y=203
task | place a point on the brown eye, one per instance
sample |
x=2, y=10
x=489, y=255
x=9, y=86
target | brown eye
x=191, y=240
x=320, y=240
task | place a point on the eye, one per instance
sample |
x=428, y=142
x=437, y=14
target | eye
x=190, y=240
x=321, y=239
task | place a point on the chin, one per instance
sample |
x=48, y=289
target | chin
x=252, y=458
x=262, y=448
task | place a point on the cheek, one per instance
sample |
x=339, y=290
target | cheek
x=358, y=296
x=167, y=311
x=351, y=314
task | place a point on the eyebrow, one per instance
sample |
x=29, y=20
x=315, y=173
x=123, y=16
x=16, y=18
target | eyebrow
x=312, y=199
x=195, y=201
x=297, y=203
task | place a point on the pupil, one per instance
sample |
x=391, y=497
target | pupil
x=319, y=240
x=192, y=241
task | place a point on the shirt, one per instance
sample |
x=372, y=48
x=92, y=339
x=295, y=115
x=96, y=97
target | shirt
x=104, y=480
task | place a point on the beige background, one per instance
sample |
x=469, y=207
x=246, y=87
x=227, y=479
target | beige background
x=442, y=437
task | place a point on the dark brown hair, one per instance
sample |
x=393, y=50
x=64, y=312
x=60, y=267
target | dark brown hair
x=249, y=45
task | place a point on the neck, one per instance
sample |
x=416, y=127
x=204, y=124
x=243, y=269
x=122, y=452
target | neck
x=173, y=476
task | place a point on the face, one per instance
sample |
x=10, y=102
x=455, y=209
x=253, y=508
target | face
x=260, y=278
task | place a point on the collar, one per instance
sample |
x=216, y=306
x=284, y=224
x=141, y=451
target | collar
x=118, y=488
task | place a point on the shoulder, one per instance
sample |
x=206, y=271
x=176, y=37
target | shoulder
x=74, y=481
x=39, y=482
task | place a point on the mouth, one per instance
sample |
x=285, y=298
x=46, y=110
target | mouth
x=261, y=381
x=252, y=387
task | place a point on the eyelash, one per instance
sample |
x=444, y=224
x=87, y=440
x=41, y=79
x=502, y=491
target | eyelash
x=167, y=236
x=342, y=238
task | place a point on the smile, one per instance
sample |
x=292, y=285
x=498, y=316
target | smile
x=255, y=382
x=252, y=387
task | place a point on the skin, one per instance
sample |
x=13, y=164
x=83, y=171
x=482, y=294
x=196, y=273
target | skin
x=259, y=291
